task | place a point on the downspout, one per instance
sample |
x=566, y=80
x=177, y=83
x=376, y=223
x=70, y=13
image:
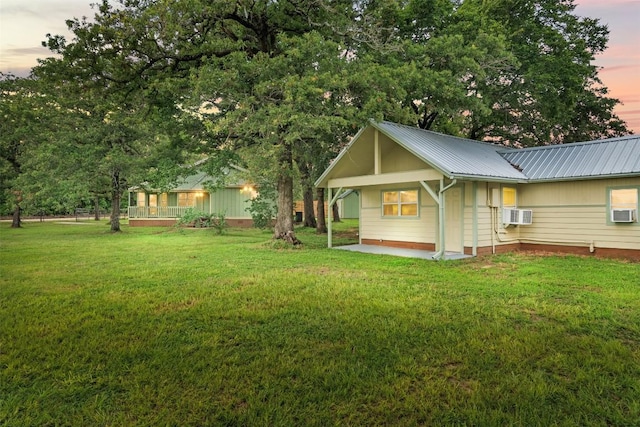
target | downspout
x=329, y=220
x=440, y=254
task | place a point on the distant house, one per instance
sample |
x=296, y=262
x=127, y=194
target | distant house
x=148, y=207
x=348, y=206
x=424, y=190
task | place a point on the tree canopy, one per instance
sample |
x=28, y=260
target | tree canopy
x=283, y=84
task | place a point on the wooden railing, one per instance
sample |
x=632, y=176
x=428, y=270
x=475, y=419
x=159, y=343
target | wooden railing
x=157, y=212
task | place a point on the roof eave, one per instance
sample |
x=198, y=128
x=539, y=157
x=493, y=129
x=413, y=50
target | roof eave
x=465, y=177
x=326, y=173
x=586, y=177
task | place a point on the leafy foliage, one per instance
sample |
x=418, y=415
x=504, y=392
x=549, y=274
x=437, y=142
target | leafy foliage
x=150, y=86
x=198, y=219
x=262, y=207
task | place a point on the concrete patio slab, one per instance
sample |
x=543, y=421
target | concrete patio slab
x=408, y=253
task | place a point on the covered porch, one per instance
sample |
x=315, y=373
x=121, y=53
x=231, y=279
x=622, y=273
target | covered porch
x=145, y=212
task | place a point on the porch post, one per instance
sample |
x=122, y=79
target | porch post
x=329, y=219
x=332, y=201
x=441, y=233
x=474, y=248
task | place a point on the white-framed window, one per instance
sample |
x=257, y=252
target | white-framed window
x=624, y=204
x=623, y=198
x=186, y=199
x=400, y=203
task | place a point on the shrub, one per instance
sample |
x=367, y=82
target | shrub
x=191, y=216
x=200, y=219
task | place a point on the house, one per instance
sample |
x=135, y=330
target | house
x=424, y=190
x=348, y=206
x=149, y=207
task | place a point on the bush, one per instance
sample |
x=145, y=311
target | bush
x=200, y=219
x=262, y=210
x=218, y=221
x=191, y=216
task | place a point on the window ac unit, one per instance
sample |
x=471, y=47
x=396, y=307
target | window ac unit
x=623, y=215
x=517, y=216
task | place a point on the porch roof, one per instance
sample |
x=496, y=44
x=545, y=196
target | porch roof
x=460, y=158
x=452, y=157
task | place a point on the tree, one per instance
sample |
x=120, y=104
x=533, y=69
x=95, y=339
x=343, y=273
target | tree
x=551, y=93
x=21, y=113
x=280, y=82
x=279, y=105
x=122, y=122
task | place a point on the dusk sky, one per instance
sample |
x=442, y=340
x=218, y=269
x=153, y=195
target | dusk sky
x=24, y=24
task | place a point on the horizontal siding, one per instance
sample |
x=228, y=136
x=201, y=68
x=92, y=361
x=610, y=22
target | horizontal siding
x=374, y=226
x=580, y=224
x=577, y=211
x=579, y=193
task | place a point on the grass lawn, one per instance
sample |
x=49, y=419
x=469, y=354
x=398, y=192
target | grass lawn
x=154, y=327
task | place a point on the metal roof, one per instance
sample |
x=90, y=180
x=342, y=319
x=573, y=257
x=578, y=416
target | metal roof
x=615, y=157
x=454, y=157
x=200, y=180
x=468, y=159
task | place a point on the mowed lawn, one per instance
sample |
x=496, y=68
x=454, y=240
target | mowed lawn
x=156, y=326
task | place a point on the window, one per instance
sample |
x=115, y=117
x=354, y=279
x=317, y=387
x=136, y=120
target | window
x=186, y=199
x=400, y=203
x=509, y=199
x=164, y=200
x=624, y=198
x=623, y=205
x=141, y=199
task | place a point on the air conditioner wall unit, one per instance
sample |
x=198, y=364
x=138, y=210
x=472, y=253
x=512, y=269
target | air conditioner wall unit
x=623, y=215
x=517, y=216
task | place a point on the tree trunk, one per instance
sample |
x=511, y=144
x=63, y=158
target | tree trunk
x=96, y=208
x=284, y=217
x=336, y=212
x=305, y=178
x=322, y=224
x=115, y=201
x=16, y=221
x=309, y=214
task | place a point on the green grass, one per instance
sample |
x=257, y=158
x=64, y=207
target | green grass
x=157, y=326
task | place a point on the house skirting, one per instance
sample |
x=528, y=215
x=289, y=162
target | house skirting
x=170, y=222
x=630, y=254
x=399, y=244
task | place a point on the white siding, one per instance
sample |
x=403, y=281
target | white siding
x=373, y=226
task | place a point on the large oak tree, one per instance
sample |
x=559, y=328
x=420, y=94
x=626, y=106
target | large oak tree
x=284, y=83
